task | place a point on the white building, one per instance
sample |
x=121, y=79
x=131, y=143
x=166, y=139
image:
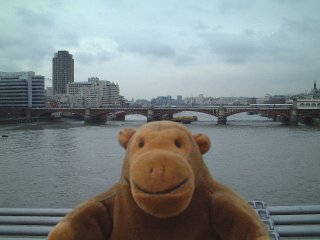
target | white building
x=79, y=91
x=111, y=94
x=78, y=88
x=93, y=79
x=21, y=89
x=94, y=93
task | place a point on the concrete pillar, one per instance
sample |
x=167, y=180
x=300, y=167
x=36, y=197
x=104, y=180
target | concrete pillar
x=120, y=117
x=28, y=113
x=29, y=84
x=294, y=115
x=222, y=118
x=87, y=115
x=150, y=116
x=95, y=120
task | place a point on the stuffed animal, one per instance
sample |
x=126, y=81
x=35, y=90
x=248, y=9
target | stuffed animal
x=165, y=192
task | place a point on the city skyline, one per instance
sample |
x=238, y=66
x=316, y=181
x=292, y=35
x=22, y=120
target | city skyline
x=216, y=48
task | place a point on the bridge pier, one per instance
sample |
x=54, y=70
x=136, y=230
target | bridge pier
x=87, y=114
x=28, y=113
x=222, y=118
x=170, y=116
x=150, y=116
x=88, y=119
x=294, y=115
x=120, y=117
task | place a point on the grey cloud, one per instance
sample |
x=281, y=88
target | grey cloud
x=200, y=26
x=184, y=60
x=288, y=2
x=295, y=41
x=7, y=40
x=147, y=48
x=231, y=5
x=93, y=57
x=25, y=48
x=304, y=27
x=69, y=39
x=85, y=57
x=32, y=18
x=29, y=43
x=33, y=41
x=234, y=48
x=248, y=32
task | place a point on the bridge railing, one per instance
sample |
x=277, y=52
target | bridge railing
x=283, y=222
x=290, y=222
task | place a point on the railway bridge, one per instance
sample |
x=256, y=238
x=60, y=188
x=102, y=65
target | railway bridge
x=289, y=113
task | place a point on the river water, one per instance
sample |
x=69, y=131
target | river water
x=61, y=164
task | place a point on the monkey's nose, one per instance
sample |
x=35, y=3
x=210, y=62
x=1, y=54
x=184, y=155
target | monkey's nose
x=157, y=172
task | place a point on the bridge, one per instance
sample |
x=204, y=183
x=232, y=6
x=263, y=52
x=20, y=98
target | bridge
x=289, y=113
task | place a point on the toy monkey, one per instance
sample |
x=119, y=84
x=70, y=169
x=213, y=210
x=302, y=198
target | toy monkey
x=165, y=192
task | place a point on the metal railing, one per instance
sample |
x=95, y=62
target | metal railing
x=283, y=222
x=290, y=222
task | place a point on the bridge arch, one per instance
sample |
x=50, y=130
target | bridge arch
x=49, y=111
x=201, y=115
x=284, y=115
x=159, y=114
x=135, y=111
x=115, y=112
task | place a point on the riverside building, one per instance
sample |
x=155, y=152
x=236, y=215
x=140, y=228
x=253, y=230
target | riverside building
x=21, y=89
x=95, y=93
x=62, y=71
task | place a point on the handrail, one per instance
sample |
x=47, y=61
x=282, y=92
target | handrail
x=286, y=210
x=34, y=211
x=289, y=221
x=282, y=221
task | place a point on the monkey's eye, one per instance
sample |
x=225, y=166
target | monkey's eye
x=178, y=143
x=141, y=143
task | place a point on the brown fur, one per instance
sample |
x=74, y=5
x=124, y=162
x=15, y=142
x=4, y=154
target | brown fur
x=165, y=192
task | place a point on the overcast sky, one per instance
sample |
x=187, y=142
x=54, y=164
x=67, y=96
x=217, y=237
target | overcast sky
x=169, y=47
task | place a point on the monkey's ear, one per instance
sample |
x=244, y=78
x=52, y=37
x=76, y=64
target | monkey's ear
x=203, y=142
x=125, y=136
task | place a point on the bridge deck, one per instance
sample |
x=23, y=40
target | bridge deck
x=283, y=222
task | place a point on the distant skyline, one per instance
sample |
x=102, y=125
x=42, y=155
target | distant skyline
x=158, y=48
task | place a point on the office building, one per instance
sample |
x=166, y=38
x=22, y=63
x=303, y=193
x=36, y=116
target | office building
x=78, y=88
x=95, y=92
x=21, y=89
x=62, y=71
x=110, y=94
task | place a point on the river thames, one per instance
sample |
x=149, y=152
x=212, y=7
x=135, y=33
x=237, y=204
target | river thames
x=61, y=164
